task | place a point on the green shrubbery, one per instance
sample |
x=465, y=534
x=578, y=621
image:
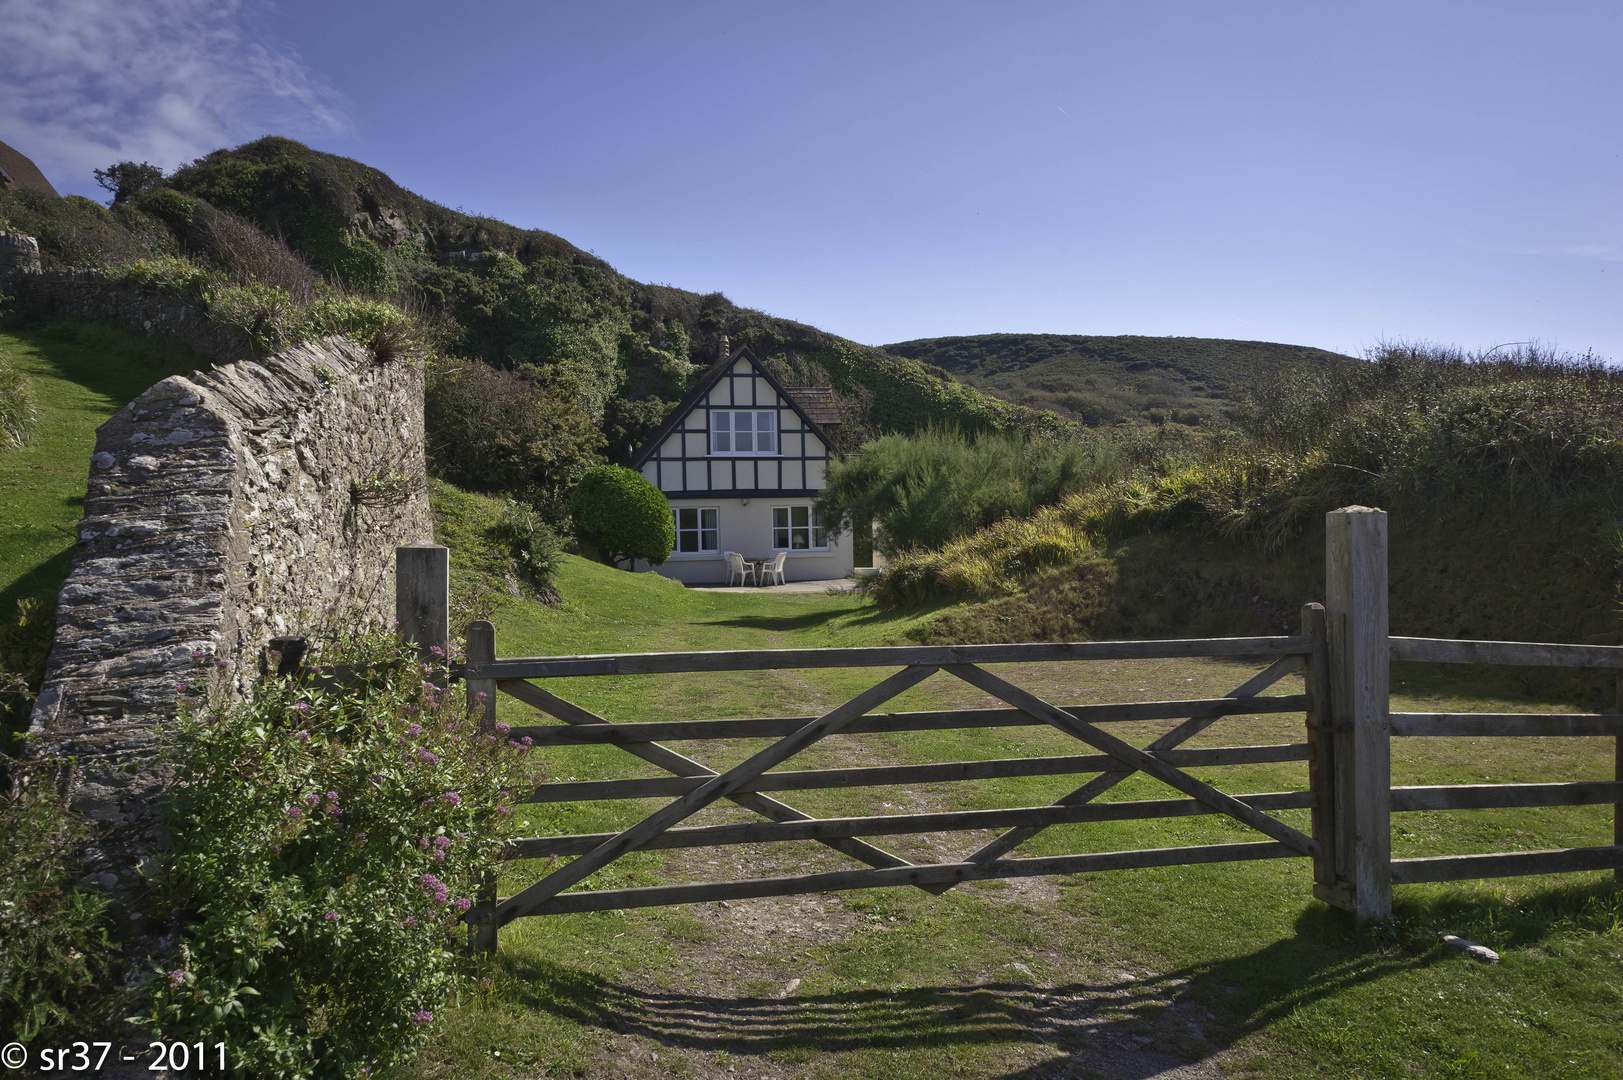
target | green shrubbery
x=1431, y=431
x=53, y=935
x=492, y=430
x=624, y=515
x=328, y=844
x=932, y=487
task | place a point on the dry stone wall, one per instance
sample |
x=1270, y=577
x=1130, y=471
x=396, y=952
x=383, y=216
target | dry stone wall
x=91, y=296
x=222, y=511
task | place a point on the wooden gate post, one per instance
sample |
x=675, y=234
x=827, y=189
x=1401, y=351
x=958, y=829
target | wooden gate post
x=1361, y=681
x=1331, y=873
x=422, y=595
x=482, y=926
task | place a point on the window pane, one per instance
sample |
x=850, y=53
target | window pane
x=708, y=537
x=742, y=440
x=721, y=442
x=799, y=539
x=708, y=519
x=800, y=515
x=780, y=527
x=819, y=538
x=766, y=439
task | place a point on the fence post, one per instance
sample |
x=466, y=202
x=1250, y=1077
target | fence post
x=482, y=927
x=1617, y=774
x=1330, y=877
x=1361, y=680
x=422, y=595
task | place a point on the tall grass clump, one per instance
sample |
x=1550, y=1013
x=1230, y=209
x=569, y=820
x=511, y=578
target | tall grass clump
x=327, y=846
x=19, y=409
x=930, y=488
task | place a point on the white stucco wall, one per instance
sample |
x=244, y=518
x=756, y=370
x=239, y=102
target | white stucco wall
x=745, y=526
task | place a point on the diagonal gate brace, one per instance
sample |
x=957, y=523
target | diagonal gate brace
x=673, y=762
x=1102, y=783
x=720, y=787
x=1133, y=757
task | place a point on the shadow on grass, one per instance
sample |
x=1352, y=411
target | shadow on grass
x=109, y=360
x=869, y=615
x=1122, y=1027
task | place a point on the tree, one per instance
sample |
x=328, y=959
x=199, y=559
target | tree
x=624, y=515
x=127, y=179
x=492, y=430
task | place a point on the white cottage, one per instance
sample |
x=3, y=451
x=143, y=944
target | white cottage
x=740, y=461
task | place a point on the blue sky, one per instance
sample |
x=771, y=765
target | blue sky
x=1320, y=174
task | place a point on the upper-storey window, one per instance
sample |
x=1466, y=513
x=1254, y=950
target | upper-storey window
x=741, y=431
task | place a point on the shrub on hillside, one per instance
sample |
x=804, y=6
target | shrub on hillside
x=19, y=411
x=932, y=487
x=536, y=550
x=1433, y=432
x=327, y=845
x=495, y=431
x=624, y=515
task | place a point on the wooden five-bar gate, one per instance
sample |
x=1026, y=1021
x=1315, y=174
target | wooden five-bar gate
x=1344, y=652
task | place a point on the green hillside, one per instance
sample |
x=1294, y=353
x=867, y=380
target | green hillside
x=298, y=233
x=1103, y=380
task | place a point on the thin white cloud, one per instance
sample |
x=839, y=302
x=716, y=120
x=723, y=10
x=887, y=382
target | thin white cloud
x=1601, y=252
x=84, y=83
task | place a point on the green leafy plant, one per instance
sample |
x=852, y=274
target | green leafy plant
x=537, y=552
x=624, y=515
x=53, y=935
x=328, y=844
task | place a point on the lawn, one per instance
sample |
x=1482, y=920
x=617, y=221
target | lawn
x=1217, y=970
x=81, y=375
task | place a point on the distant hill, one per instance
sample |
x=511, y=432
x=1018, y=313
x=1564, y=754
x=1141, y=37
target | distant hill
x=1105, y=380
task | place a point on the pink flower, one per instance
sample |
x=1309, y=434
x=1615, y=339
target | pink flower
x=442, y=841
x=503, y=729
x=302, y=706
x=222, y=664
x=177, y=977
x=428, y=755
x=439, y=854
x=302, y=736
x=527, y=741
x=462, y=903
x=414, y=730
x=423, y=1017
x=451, y=798
x=422, y=842
x=331, y=916
x=312, y=798
x=294, y=811
x=332, y=796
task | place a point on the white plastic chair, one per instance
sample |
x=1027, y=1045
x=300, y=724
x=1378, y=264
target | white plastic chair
x=774, y=567
x=736, y=568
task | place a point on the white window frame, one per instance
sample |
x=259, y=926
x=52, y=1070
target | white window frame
x=723, y=429
x=698, y=513
x=814, y=528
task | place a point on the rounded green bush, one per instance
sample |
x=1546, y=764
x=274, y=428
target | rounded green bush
x=624, y=515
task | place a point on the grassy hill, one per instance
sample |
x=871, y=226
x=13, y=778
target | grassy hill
x=1103, y=380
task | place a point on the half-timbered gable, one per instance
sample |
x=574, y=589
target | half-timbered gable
x=740, y=461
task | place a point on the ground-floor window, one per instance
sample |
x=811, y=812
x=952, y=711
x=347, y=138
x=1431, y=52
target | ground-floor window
x=797, y=528
x=696, y=529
